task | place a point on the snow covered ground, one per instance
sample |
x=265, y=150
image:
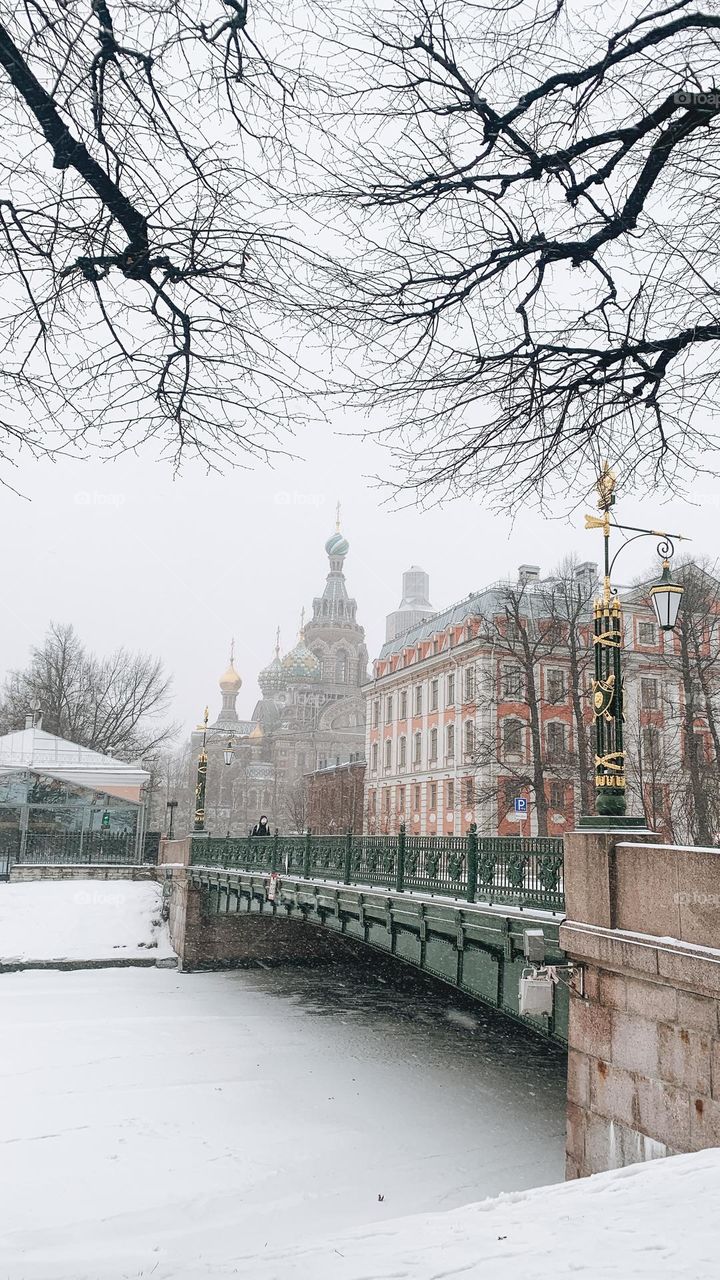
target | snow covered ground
x=650, y=1221
x=82, y=920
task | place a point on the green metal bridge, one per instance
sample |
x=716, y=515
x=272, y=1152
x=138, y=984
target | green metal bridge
x=456, y=907
x=496, y=869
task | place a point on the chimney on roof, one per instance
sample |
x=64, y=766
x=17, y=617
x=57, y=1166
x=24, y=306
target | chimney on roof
x=33, y=719
x=528, y=573
x=29, y=720
x=588, y=576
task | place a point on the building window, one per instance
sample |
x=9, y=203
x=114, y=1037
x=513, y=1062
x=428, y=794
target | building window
x=450, y=690
x=375, y=714
x=433, y=744
x=388, y=753
x=555, y=684
x=403, y=705
x=374, y=757
x=402, y=753
x=513, y=685
x=450, y=796
x=511, y=629
x=417, y=754
x=450, y=741
x=651, y=743
x=433, y=795
x=510, y=790
x=469, y=792
x=557, y=795
x=647, y=633
x=512, y=737
x=401, y=799
x=416, y=801
x=386, y=800
x=341, y=668
x=433, y=695
x=469, y=684
x=301, y=759
x=388, y=710
x=469, y=732
x=556, y=740
x=418, y=700
x=648, y=694
x=371, y=802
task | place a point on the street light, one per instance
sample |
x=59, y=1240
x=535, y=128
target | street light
x=665, y=596
x=171, y=806
x=228, y=754
x=607, y=687
x=199, y=823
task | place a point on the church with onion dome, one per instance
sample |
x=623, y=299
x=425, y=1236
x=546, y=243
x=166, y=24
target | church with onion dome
x=310, y=715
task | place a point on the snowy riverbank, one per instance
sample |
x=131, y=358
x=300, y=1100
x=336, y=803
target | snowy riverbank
x=82, y=920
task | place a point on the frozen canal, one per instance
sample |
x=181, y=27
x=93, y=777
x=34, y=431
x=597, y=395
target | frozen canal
x=173, y=1126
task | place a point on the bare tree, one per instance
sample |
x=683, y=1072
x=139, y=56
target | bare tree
x=521, y=635
x=568, y=598
x=536, y=187
x=115, y=705
x=144, y=256
x=696, y=656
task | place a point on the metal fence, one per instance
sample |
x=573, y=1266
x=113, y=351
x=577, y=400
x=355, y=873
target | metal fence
x=68, y=848
x=507, y=870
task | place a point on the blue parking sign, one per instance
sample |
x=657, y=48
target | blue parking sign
x=520, y=804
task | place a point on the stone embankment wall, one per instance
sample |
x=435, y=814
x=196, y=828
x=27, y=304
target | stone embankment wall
x=63, y=871
x=206, y=940
x=643, y=920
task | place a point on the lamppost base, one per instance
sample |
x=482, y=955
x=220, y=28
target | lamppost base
x=610, y=822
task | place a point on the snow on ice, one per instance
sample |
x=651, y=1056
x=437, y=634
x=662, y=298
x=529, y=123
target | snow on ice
x=82, y=920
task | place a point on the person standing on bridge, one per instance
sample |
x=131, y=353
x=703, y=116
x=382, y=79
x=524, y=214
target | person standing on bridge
x=261, y=828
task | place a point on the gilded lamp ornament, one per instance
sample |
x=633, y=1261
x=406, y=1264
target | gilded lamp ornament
x=608, y=693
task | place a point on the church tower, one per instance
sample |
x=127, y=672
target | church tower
x=333, y=633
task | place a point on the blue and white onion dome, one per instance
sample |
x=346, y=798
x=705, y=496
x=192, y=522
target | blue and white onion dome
x=272, y=677
x=300, y=663
x=337, y=545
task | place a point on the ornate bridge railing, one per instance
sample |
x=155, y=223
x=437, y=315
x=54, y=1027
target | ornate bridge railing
x=507, y=870
x=101, y=848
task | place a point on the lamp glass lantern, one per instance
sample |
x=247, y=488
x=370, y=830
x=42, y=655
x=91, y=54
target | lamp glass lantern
x=666, y=596
x=228, y=754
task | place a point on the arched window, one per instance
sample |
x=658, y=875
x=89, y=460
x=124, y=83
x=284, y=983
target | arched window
x=402, y=753
x=433, y=744
x=417, y=749
x=321, y=659
x=450, y=741
x=469, y=737
x=341, y=667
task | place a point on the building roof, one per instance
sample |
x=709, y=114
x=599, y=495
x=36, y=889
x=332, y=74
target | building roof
x=45, y=753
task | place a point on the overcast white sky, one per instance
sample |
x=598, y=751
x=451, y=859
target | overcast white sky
x=177, y=565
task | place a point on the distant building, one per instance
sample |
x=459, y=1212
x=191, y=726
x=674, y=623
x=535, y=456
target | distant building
x=335, y=798
x=414, y=606
x=311, y=715
x=458, y=715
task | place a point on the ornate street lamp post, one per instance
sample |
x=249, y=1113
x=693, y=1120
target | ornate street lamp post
x=170, y=808
x=607, y=686
x=199, y=823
